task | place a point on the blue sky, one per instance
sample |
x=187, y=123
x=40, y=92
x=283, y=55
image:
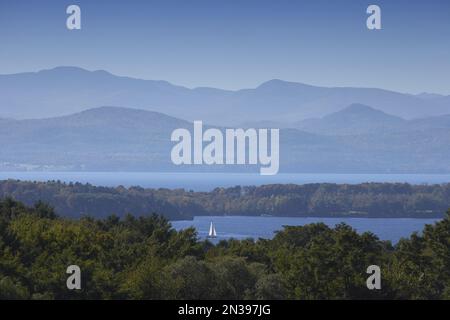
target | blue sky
x=236, y=44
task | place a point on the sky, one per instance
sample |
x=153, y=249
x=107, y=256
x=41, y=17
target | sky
x=234, y=44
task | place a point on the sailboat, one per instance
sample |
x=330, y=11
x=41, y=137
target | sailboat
x=212, y=231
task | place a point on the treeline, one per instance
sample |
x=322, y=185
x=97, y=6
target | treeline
x=144, y=258
x=321, y=199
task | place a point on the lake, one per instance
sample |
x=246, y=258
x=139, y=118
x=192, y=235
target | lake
x=209, y=181
x=254, y=227
x=264, y=227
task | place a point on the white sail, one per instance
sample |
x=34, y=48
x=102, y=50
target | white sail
x=212, y=231
x=211, y=227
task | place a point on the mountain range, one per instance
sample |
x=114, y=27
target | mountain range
x=357, y=139
x=67, y=90
x=53, y=120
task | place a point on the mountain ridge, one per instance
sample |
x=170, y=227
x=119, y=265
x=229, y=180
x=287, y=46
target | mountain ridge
x=66, y=90
x=353, y=120
x=123, y=139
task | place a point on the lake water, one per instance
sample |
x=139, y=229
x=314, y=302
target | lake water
x=209, y=181
x=253, y=227
x=264, y=227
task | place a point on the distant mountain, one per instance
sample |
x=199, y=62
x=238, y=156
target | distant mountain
x=358, y=119
x=105, y=138
x=429, y=96
x=353, y=120
x=66, y=90
x=122, y=139
x=110, y=139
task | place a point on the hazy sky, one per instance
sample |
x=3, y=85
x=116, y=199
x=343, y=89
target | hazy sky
x=235, y=44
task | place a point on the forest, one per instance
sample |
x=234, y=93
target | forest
x=373, y=200
x=143, y=257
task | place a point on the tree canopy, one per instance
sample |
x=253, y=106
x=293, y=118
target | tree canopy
x=145, y=258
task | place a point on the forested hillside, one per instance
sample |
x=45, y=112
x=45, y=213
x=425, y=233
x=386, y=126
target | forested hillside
x=144, y=258
x=314, y=200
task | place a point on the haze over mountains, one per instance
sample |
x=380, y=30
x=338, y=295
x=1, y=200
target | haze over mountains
x=66, y=90
x=104, y=138
x=352, y=120
x=123, y=139
x=330, y=130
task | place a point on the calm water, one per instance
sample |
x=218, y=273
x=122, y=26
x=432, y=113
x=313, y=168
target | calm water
x=264, y=227
x=245, y=227
x=209, y=181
